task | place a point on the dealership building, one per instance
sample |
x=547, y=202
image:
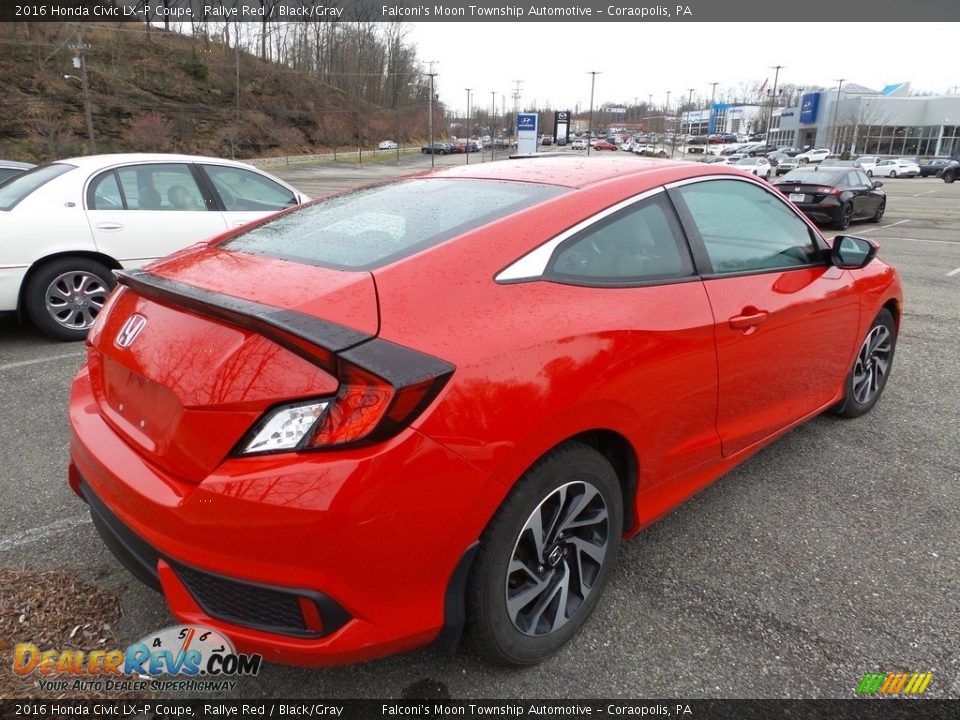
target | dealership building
x=851, y=118
x=860, y=121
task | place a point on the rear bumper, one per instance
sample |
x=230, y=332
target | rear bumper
x=309, y=559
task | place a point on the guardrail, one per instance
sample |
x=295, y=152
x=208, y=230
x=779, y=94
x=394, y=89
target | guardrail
x=347, y=156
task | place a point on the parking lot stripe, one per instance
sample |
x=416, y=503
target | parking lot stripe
x=37, y=361
x=899, y=222
x=41, y=533
x=955, y=271
x=942, y=242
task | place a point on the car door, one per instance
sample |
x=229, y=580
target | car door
x=143, y=211
x=866, y=199
x=245, y=195
x=631, y=277
x=785, y=320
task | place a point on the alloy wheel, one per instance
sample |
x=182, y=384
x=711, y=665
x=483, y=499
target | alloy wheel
x=75, y=298
x=872, y=365
x=557, y=559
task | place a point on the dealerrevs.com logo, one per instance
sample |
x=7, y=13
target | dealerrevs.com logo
x=183, y=657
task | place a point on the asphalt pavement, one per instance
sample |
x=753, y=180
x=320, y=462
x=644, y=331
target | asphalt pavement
x=832, y=553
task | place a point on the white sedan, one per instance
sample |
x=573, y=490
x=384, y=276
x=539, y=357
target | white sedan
x=813, y=156
x=70, y=223
x=758, y=166
x=897, y=167
x=578, y=144
x=387, y=145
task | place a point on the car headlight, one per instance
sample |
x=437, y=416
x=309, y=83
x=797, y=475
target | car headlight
x=285, y=427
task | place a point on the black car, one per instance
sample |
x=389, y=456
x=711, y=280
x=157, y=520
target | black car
x=950, y=173
x=438, y=148
x=835, y=195
x=935, y=167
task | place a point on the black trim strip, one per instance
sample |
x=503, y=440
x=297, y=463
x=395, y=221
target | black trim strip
x=246, y=313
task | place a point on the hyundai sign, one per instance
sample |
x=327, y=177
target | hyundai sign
x=527, y=133
x=808, y=108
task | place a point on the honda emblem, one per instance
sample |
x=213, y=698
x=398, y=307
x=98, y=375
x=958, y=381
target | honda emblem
x=131, y=328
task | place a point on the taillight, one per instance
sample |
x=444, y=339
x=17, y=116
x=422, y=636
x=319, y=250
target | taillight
x=366, y=409
x=830, y=190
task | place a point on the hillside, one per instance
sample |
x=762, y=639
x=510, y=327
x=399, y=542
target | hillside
x=156, y=90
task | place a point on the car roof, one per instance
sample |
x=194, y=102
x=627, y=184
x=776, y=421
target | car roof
x=578, y=172
x=97, y=161
x=16, y=165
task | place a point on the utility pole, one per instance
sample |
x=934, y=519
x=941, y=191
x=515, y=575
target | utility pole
x=431, y=75
x=690, y=111
x=493, y=126
x=666, y=112
x=593, y=80
x=469, y=90
x=836, y=108
x=79, y=48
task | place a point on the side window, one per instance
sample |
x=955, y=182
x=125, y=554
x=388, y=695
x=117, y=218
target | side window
x=864, y=180
x=244, y=190
x=744, y=228
x=169, y=186
x=104, y=193
x=641, y=243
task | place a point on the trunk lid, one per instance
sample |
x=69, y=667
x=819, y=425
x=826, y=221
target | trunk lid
x=223, y=337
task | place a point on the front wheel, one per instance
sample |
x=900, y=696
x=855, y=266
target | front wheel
x=878, y=216
x=64, y=297
x=545, y=557
x=871, y=369
x=948, y=176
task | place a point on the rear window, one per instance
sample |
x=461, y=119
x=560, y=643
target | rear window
x=16, y=189
x=375, y=226
x=812, y=176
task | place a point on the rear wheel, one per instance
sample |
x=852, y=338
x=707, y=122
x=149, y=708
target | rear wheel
x=871, y=369
x=64, y=297
x=546, y=556
x=844, y=217
x=893, y=174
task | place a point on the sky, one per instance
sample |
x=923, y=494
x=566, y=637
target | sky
x=635, y=60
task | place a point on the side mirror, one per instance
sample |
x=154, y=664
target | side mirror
x=851, y=252
x=877, y=184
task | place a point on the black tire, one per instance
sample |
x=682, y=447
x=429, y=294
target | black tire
x=76, y=289
x=844, y=217
x=550, y=489
x=870, y=173
x=871, y=368
x=893, y=174
x=949, y=176
x=878, y=216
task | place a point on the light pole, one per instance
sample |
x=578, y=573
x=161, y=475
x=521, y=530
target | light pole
x=773, y=98
x=593, y=80
x=359, y=126
x=836, y=108
x=467, y=139
x=713, y=94
x=666, y=121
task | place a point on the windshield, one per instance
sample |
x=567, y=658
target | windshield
x=375, y=226
x=17, y=188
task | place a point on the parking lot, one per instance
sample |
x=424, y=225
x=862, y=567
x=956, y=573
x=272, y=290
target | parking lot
x=832, y=553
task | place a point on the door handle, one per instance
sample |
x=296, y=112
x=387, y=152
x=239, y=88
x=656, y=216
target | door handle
x=109, y=226
x=750, y=319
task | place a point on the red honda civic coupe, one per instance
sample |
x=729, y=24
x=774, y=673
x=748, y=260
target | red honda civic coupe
x=439, y=403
